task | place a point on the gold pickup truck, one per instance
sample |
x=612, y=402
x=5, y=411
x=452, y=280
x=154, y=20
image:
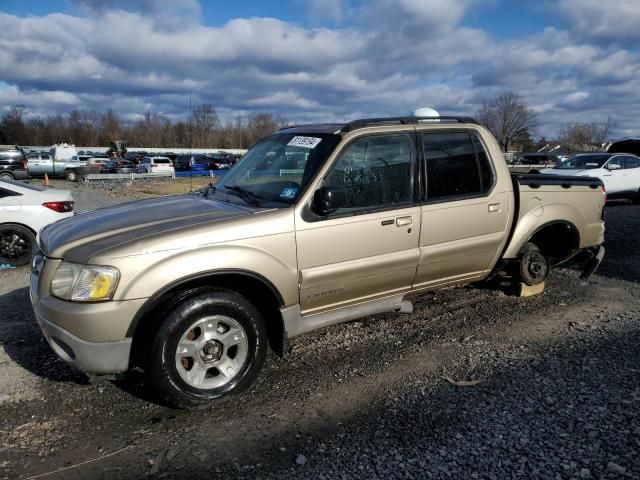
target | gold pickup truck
x=316, y=225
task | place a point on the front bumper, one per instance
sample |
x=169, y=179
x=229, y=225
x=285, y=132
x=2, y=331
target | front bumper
x=89, y=336
x=98, y=358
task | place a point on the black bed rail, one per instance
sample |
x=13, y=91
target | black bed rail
x=536, y=180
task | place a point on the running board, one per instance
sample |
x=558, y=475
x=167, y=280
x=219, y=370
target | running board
x=295, y=324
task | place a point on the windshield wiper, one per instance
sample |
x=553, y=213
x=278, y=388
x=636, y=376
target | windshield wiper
x=246, y=195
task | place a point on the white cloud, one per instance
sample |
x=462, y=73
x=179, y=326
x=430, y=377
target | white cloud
x=401, y=54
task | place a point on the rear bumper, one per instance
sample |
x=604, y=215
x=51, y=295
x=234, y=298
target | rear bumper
x=593, y=263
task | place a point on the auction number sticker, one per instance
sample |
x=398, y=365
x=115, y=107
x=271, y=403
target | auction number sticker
x=305, y=142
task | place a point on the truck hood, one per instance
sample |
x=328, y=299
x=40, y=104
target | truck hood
x=79, y=238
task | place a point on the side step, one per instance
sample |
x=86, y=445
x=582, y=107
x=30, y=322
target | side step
x=297, y=326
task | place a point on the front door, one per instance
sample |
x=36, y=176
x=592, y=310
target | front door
x=465, y=215
x=367, y=249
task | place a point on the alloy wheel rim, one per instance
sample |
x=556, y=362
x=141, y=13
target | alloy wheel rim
x=13, y=245
x=211, y=352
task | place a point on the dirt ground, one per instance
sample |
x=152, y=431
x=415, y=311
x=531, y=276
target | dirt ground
x=551, y=390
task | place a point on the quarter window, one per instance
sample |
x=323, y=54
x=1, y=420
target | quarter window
x=375, y=172
x=457, y=165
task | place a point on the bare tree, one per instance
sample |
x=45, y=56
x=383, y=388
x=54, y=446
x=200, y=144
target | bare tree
x=507, y=117
x=205, y=122
x=13, y=125
x=586, y=136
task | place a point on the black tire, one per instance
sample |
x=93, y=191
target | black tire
x=70, y=175
x=636, y=199
x=161, y=369
x=6, y=176
x=533, y=266
x=16, y=244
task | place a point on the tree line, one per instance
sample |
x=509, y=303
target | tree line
x=510, y=120
x=203, y=129
x=507, y=116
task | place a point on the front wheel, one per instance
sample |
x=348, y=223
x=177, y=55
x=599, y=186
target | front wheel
x=6, y=176
x=211, y=345
x=16, y=244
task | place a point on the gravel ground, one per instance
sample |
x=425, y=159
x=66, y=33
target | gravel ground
x=551, y=389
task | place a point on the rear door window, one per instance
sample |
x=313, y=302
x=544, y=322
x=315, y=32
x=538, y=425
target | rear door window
x=631, y=162
x=457, y=166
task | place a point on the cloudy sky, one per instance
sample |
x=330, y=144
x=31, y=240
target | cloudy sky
x=324, y=60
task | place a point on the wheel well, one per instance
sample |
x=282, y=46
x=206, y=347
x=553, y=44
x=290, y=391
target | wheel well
x=255, y=289
x=20, y=225
x=558, y=241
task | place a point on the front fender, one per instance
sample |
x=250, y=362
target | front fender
x=272, y=257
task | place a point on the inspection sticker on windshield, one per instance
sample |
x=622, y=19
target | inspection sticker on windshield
x=289, y=193
x=305, y=142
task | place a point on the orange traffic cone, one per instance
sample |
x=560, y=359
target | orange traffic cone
x=46, y=180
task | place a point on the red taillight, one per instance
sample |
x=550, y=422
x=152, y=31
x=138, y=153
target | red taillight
x=60, y=207
x=153, y=165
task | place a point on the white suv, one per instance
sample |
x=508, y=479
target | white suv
x=155, y=165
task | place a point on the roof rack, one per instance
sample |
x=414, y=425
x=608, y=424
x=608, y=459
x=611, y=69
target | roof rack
x=300, y=125
x=368, y=122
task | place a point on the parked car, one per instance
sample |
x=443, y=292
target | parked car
x=13, y=164
x=620, y=172
x=119, y=165
x=184, y=163
x=628, y=145
x=536, y=159
x=193, y=289
x=155, y=165
x=24, y=210
x=219, y=162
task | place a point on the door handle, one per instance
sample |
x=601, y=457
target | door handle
x=403, y=221
x=494, y=207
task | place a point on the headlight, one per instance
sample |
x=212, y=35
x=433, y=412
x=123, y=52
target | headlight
x=84, y=283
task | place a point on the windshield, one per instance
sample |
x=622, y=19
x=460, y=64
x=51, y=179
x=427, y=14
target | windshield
x=279, y=168
x=583, y=162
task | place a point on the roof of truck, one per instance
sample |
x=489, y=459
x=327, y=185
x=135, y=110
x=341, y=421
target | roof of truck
x=338, y=128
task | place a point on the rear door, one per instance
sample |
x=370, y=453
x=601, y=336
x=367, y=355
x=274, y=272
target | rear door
x=465, y=212
x=369, y=248
x=631, y=168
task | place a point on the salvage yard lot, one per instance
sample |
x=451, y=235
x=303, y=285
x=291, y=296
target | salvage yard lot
x=559, y=390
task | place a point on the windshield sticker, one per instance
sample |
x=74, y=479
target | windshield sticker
x=305, y=142
x=289, y=193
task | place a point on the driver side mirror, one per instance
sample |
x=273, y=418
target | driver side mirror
x=613, y=166
x=327, y=200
